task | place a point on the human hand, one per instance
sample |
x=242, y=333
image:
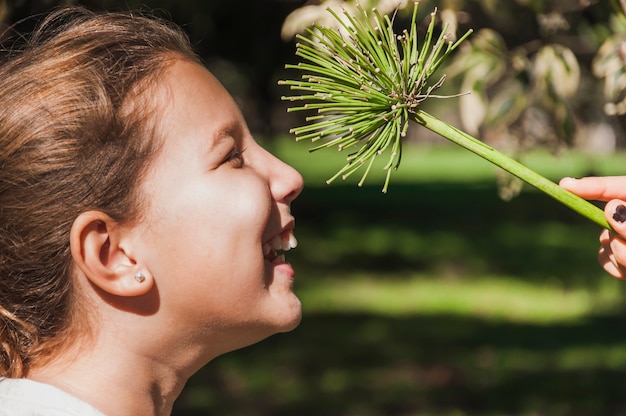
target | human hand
x=612, y=190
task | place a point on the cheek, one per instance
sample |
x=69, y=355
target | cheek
x=215, y=222
x=243, y=205
x=206, y=218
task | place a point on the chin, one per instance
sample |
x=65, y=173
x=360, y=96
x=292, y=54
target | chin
x=290, y=319
x=280, y=328
x=293, y=324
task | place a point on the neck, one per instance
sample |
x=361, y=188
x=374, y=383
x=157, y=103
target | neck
x=115, y=381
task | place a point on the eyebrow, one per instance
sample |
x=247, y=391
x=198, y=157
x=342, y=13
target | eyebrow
x=230, y=129
x=227, y=131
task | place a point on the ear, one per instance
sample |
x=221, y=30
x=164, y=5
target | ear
x=97, y=250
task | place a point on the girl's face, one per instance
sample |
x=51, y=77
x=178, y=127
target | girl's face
x=215, y=200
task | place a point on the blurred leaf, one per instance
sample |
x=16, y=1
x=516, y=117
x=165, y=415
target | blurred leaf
x=556, y=70
x=507, y=104
x=450, y=21
x=617, y=23
x=490, y=43
x=565, y=123
x=619, y=6
x=552, y=22
x=481, y=65
x=303, y=17
x=473, y=106
x=482, y=58
x=509, y=186
x=609, y=64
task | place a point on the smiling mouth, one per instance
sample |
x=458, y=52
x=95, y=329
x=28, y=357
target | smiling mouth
x=274, y=250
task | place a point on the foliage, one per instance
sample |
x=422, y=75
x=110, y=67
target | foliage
x=610, y=65
x=533, y=70
x=250, y=65
x=366, y=84
x=302, y=18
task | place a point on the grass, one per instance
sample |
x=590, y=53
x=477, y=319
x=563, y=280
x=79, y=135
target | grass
x=497, y=299
x=438, y=299
x=441, y=163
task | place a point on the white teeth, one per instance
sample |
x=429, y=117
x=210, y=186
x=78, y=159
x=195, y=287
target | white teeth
x=277, y=243
x=283, y=242
x=293, y=243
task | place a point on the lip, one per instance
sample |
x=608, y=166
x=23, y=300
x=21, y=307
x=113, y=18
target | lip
x=287, y=228
x=286, y=269
x=279, y=272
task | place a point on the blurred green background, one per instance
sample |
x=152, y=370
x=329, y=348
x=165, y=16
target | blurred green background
x=438, y=298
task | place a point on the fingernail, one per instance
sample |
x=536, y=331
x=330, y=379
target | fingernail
x=620, y=213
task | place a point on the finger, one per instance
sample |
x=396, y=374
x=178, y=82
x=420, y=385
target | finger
x=615, y=213
x=609, y=264
x=612, y=254
x=600, y=188
x=605, y=236
x=618, y=251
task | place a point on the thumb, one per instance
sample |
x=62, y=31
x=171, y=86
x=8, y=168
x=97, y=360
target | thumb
x=615, y=212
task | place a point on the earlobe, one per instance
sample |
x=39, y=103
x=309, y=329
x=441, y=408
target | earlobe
x=97, y=251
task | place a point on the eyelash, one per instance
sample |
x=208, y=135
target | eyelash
x=235, y=156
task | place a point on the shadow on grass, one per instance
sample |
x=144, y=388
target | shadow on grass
x=423, y=365
x=462, y=228
x=366, y=364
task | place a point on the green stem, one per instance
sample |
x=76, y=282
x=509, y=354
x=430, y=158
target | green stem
x=567, y=198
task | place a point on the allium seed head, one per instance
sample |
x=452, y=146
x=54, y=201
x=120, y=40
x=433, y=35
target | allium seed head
x=358, y=81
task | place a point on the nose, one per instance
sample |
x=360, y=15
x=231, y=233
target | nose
x=286, y=183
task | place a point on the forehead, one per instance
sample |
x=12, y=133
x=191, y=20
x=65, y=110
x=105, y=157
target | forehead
x=188, y=86
x=191, y=103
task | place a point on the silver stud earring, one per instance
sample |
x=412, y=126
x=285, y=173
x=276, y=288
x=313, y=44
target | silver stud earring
x=139, y=277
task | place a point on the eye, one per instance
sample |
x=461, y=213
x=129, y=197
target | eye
x=235, y=158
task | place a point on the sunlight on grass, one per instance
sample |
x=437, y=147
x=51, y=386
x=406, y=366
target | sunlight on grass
x=573, y=358
x=423, y=163
x=495, y=298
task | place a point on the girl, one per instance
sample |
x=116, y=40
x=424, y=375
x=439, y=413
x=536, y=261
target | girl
x=141, y=226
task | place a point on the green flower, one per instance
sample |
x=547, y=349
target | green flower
x=365, y=83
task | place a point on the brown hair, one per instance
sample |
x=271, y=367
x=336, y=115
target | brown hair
x=68, y=144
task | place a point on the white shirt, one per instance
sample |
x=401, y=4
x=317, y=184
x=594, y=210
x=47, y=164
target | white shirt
x=23, y=397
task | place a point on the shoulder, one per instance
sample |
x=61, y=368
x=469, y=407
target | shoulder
x=23, y=397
